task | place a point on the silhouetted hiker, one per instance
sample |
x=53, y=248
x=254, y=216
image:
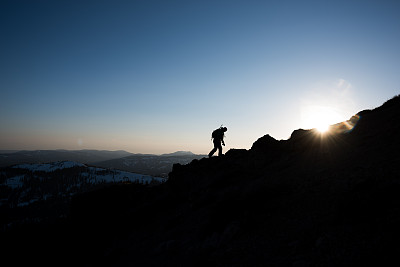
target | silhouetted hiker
x=218, y=136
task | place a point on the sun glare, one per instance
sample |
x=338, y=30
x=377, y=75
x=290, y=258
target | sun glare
x=322, y=128
x=320, y=118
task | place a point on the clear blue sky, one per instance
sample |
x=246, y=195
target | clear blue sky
x=159, y=76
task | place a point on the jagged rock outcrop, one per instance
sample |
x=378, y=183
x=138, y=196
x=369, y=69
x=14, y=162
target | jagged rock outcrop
x=310, y=200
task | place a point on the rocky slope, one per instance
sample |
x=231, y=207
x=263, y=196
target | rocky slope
x=312, y=200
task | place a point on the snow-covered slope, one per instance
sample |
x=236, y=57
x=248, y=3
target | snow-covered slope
x=49, y=167
x=24, y=184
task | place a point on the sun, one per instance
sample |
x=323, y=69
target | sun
x=320, y=118
x=322, y=128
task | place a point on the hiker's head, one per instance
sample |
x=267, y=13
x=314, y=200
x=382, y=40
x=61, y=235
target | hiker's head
x=224, y=129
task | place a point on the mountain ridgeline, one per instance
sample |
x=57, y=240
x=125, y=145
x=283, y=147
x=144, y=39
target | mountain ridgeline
x=313, y=200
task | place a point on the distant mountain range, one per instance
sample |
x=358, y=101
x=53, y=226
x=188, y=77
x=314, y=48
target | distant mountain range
x=179, y=153
x=156, y=165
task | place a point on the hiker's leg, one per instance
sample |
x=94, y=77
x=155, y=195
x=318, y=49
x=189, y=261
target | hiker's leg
x=217, y=145
x=212, y=152
x=219, y=149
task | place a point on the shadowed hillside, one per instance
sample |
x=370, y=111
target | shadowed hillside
x=312, y=200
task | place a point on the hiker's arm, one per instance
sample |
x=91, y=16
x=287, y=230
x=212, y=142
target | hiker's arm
x=223, y=143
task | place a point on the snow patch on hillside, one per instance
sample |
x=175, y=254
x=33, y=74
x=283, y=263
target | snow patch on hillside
x=49, y=167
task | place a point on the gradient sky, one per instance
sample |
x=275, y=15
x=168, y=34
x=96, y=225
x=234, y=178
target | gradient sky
x=159, y=76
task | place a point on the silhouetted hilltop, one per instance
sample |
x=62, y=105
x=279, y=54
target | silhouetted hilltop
x=311, y=200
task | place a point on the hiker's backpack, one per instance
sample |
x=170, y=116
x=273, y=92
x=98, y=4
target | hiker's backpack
x=216, y=133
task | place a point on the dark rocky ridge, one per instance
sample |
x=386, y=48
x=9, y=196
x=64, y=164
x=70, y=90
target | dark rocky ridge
x=312, y=200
